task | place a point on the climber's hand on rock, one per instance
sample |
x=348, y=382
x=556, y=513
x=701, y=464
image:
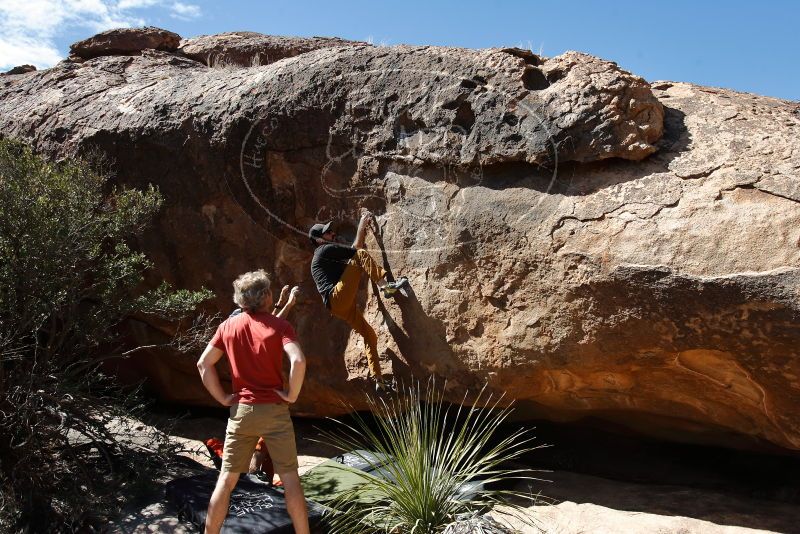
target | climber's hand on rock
x=284, y=298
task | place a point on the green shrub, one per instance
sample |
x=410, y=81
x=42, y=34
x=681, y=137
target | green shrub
x=68, y=278
x=439, y=455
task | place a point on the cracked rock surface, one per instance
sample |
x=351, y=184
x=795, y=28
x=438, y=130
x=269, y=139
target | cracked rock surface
x=248, y=49
x=588, y=243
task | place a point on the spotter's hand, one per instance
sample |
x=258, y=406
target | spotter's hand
x=294, y=294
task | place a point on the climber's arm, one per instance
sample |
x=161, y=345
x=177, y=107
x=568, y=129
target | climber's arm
x=361, y=234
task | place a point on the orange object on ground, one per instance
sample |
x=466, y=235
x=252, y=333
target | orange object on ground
x=216, y=448
x=266, y=461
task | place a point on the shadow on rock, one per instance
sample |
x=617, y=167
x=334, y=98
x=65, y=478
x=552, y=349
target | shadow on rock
x=420, y=339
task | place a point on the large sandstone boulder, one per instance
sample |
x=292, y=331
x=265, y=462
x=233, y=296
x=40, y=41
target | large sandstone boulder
x=586, y=243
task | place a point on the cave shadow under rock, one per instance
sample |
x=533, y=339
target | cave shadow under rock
x=716, y=506
x=626, y=472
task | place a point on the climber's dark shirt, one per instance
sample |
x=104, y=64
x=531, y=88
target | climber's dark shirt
x=328, y=266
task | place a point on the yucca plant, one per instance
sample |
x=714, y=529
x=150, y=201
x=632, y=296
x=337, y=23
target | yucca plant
x=431, y=463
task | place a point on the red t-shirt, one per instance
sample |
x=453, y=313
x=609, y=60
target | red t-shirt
x=254, y=345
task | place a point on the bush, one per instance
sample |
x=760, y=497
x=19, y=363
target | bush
x=68, y=278
x=445, y=468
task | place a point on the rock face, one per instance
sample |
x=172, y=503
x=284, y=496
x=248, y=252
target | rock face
x=21, y=69
x=588, y=243
x=250, y=49
x=125, y=41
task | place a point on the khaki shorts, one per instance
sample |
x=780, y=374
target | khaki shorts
x=246, y=424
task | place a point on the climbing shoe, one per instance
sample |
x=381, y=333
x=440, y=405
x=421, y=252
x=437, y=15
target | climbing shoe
x=391, y=288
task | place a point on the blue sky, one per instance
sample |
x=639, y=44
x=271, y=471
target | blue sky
x=747, y=46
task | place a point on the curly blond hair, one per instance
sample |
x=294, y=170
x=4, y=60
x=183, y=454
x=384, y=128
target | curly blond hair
x=249, y=289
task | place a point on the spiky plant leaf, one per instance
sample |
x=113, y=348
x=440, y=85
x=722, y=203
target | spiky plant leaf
x=446, y=461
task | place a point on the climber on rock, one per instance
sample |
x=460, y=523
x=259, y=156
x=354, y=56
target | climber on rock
x=337, y=271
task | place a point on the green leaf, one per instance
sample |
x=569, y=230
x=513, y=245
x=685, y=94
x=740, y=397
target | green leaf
x=436, y=449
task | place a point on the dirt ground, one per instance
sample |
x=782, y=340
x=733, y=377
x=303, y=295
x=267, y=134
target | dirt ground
x=581, y=503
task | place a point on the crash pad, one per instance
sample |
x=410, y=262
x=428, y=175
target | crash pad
x=255, y=506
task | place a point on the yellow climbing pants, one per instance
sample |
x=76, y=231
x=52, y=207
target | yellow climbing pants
x=344, y=306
